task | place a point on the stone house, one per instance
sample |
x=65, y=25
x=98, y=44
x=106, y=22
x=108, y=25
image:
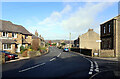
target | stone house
x=110, y=35
x=13, y=36
x=88, y=40
x=87, y=43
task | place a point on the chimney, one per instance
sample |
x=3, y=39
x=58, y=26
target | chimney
x=90, y=30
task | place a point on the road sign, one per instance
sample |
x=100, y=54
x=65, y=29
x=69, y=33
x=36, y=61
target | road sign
x=98, y=40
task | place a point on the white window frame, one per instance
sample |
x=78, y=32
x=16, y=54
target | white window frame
x=109, y=28
x=7, y=47
x=104, y=29
x=6, y=34
x=15, y=35
x=26, y=36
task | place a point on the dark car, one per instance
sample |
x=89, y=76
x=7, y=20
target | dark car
x=9, y=56
x=65, y=50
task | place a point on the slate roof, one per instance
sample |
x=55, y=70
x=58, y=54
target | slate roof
x=8, y=26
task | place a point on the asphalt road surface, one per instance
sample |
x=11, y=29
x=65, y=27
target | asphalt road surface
x=55, y=64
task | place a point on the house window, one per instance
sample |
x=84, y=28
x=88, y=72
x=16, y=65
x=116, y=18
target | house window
x=109, y=28
x=104, y=29
x=26, y=36
x=7, y=46
x=5, y=34
x=14, y=35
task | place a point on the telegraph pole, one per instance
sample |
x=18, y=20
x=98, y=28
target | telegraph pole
x=70, y=41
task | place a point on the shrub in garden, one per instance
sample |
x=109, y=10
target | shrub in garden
x=22, y=49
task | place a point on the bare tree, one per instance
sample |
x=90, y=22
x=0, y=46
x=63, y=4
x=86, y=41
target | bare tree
x=35, y=44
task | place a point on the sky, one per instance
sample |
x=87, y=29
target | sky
x=55, y=20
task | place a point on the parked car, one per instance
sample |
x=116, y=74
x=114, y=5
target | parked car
x=66, y=50
x=9, y=56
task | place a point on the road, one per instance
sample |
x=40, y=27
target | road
x=55, y=64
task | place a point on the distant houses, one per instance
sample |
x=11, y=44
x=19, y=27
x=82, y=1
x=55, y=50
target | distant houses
x=110, y=36
x=13, y=36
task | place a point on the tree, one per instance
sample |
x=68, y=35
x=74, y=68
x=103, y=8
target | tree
x=35, y=44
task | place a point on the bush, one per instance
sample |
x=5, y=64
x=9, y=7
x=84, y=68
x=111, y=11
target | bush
x=22, y=49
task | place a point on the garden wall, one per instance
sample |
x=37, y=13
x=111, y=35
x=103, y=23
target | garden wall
x=83, y=51
x=33, y=53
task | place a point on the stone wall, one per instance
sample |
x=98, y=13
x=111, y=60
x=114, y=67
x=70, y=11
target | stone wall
x=107, y=53
x=13, y=48
x=33, y=53
x=118, y=36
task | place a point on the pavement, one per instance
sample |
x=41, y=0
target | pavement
x=56, y=64
x=22, y=58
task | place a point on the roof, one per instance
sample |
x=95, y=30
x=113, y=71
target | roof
x=8, y=26
x=89, y=31
x=8, y=41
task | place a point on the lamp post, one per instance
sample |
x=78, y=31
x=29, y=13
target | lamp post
x=70, y=41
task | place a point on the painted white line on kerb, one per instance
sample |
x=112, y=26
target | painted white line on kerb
x=59, y=55
x=90, y=72
x=52, y=59
x=31, y=67
x=96, y=65
x=91, y=68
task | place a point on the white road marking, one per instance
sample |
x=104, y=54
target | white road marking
x=52, y=59
x=31, y=67
x=91, y=68
x=96, y=65
x=59, y=55
x=90, y=72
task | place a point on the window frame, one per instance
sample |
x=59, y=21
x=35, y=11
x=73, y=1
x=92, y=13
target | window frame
x=109, y=26
x=6, y=34
x=26, y=36
x=104, y=29
x=7, y=48
x=14, y=35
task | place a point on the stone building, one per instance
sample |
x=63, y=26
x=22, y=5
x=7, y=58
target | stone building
x=88, y=40
x=110, y=36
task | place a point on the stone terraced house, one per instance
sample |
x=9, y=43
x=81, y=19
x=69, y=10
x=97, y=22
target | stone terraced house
x=12, y=36
x=88, y=40
x=110, y=36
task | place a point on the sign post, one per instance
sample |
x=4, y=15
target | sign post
x=99, y=41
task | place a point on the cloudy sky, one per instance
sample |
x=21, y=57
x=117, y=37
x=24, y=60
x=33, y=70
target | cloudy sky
x=55, y=20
